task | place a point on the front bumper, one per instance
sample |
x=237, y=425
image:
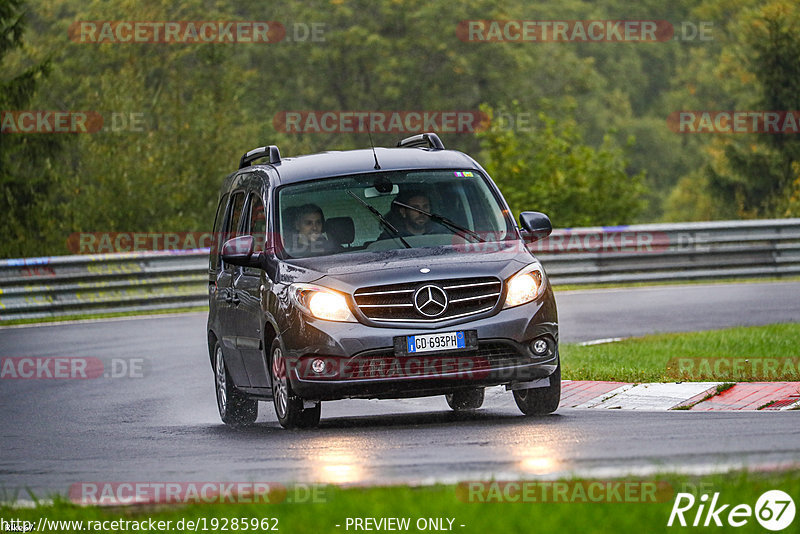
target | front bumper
x=359, y=361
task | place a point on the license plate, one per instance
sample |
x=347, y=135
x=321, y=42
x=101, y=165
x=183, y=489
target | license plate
x=435, y=342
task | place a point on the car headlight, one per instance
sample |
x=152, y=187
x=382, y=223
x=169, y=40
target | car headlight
x=525, y=286
x=321, y=302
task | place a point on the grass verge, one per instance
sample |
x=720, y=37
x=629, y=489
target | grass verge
x=743, y=354
x=576, y=509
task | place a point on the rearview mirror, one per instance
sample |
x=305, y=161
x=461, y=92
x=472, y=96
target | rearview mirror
x=536, y=225
x=372, y=192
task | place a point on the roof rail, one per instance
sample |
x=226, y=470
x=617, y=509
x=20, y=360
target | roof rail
x=270, y=151
x=423, y=140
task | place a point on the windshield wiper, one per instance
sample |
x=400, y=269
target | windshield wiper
x=444, y=221
x=386, y=224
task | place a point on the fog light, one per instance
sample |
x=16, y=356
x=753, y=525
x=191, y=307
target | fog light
x=539, y=347
x=318, y=366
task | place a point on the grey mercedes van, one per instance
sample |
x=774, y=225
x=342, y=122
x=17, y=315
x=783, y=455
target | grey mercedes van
x=375, y=273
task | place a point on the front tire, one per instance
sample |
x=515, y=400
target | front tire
x=235, y=408
x=288, y=406
x=467, y=399
x=540, y=401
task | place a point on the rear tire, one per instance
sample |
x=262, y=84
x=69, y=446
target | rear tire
x=288, y=406
x=235, y=408
x=467, y=399
x=540, y=401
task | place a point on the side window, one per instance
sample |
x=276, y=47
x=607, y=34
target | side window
x=232, y=228
x=258, y=223
x=216, y=237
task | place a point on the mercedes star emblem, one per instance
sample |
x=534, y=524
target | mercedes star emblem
x=430, y=300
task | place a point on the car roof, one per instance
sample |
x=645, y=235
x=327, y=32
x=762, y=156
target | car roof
x=329, y=164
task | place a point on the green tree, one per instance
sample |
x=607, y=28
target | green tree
x=752, y=64
x=390, y=55
x=176, y=119
x=204, y=105
x=762, y=169
x=26, y=160
x=550, y=169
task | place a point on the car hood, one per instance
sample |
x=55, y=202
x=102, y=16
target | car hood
x=348, y=272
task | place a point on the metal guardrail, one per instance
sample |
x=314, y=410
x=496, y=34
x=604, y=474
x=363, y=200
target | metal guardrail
x=32, y=288
x=674, y=252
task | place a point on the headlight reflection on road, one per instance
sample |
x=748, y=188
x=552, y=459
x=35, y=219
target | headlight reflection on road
x=337, y=468
x=536, y=460
x=538, y=466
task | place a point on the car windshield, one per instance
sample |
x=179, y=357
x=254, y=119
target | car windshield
x=389, y=210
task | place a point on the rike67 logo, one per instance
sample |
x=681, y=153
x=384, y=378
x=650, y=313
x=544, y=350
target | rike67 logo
x=774, y=510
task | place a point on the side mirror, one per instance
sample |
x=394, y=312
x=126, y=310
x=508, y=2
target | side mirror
x=536, y=225
x=239, y=251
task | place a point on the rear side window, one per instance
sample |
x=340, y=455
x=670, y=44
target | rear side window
x=232, y=229
x=216, y=237
x=258, y=223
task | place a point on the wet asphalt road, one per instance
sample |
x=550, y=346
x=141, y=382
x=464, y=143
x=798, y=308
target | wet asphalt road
x=164, y=426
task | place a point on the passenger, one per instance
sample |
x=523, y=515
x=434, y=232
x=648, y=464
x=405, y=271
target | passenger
x=309, y=238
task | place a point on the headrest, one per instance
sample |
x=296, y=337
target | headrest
x=340, y=230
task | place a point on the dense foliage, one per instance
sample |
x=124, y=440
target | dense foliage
x=587, y=140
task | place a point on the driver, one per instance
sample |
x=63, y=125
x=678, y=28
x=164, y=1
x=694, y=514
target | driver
x=412, y=222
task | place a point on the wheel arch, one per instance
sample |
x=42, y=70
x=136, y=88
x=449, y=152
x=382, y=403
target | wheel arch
x=270, y=334
x=212, y=340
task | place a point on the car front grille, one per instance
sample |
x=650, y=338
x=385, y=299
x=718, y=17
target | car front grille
x=465, y=296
